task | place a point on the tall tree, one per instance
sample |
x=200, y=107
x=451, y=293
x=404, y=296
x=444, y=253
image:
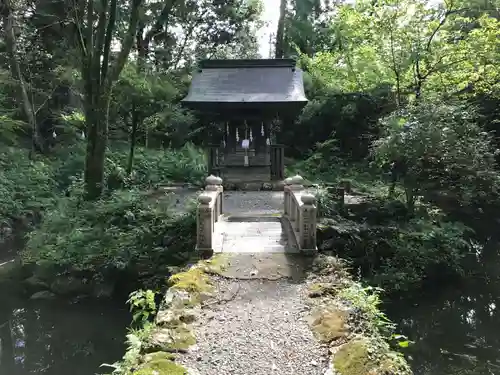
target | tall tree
x=279, y=50
x=9, y=23
x=96, y=25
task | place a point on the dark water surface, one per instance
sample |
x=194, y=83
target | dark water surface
x=59, y=338
x=457, y=329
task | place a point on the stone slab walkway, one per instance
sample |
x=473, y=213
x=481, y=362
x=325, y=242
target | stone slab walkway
x=257, y=321
x=252, y=235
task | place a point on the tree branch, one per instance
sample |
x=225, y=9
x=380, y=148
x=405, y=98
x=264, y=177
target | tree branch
x=126, y=45
x=107, y=43
x=160, y=21
x=78, y=24
x=88, y=62
x=100, y=35
x=188, y=35
x=441, y=24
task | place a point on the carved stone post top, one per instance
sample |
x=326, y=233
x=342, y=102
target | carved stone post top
x=308, y=199
x=295, y=183
x=213, y=180
x=204, y=199
x=296, y=188
x=288, y=181
x=297, y=180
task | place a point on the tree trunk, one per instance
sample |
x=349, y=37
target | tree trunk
x=99, y=73
x=133, y=138
x=410, y=193
x=15, y=68
x=280, y=34
x=97, y=140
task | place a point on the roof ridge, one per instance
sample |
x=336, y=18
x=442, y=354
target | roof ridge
x=247, y=63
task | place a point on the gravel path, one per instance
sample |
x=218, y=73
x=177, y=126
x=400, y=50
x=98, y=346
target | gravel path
x=253, y=202
x=259, y=328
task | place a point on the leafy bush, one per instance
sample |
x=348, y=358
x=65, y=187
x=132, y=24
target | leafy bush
x=439, y=149
x=152, y=166
x=393, y=252
x=27, y=187
x=362, y=177
x=129, y=230
x=350, y=119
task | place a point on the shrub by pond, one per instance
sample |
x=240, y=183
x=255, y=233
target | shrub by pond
x=83, y=246
x=393, y=250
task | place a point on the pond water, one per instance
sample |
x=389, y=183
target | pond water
x=457, y=329
x=59, y=338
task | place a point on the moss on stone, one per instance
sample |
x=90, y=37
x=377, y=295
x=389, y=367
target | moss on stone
x=328, y=324
x=195, y=280
x=216, y=264
x=156, y=356
x=321, y=289
x=173, y=339
x=353, y=359
x=183, y=338
x=161, y=367
x=174, y=316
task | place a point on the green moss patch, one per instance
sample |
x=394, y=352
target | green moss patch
x=174, y=339
x=345, y=311
x=365, y=356
x=156, y=356
x=161, y=367
x=328, y=324
x=321, y=289
x=353, y=359
x=195, y=280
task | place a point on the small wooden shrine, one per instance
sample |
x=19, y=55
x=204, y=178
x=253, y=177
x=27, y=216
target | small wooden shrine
x=248, y=100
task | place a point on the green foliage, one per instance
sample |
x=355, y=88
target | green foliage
x=334, y=170
x=439, y=148
x=151, y=167
x=337, y=124
x=154, y=98
x=142, y=305
x=394, y=251
x=129, y=230
x=367, y=300
x=420, y=251
x=414, y=47
x=135, y=340
x=27, y=187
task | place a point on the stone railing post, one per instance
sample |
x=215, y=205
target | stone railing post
x=296, y=187
x=308, y=221
x=214, y=183
x=204, y=223
x=287, y=195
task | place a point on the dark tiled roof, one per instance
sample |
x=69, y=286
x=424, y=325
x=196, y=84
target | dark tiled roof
x=247, y=81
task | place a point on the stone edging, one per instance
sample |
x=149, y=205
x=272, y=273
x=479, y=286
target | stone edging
x=352, y=332
x=172, y=332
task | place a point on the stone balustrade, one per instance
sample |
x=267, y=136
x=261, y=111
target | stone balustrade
x=208, y=214
x=301, y=211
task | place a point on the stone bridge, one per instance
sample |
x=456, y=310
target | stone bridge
x=253, y=222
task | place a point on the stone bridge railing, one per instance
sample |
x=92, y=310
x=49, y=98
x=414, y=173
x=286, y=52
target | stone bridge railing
x=301, y=211
x=208, y=214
